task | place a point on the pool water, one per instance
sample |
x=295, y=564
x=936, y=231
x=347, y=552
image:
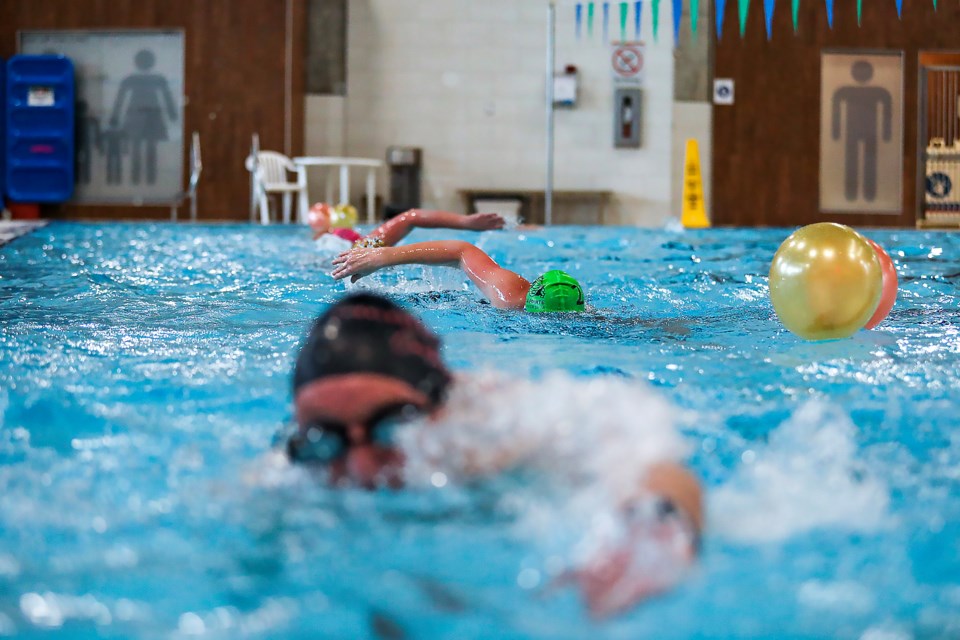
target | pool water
x=145, y=369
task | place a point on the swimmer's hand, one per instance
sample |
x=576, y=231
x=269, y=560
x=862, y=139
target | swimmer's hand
x=484, y=221
x=358, y=262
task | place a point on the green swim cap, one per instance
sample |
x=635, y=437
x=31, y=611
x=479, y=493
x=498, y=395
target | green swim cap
x=554, y=291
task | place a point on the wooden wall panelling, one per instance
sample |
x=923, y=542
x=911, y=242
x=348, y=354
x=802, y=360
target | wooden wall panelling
x=235, y=60
x=766, y=146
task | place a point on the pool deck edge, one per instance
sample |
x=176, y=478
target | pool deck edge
x=13, y=229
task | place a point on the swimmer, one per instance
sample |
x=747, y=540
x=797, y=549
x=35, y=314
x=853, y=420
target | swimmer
x=396, y=229
x=369, y=367
x=552, y=291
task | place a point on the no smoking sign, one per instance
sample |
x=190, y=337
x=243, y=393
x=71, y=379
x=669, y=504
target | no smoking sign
x=627, y=62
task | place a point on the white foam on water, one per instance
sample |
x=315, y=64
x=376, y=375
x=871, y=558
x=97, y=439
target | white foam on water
x=576, y=447
x=806, y=477
x=332, y=245
x=571, y=430
x=842, y=596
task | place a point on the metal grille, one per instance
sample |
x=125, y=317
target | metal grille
x=941, y=151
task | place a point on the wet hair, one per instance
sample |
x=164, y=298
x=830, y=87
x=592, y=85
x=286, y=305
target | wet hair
x=368, y=333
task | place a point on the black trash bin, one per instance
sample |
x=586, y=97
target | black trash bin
x=404, y=165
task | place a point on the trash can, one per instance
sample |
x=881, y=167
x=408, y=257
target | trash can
x=404, y=165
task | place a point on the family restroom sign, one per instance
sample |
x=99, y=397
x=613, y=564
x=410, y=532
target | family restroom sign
x=129, y=113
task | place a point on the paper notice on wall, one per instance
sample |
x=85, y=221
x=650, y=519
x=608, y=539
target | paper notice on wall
x=40, y=97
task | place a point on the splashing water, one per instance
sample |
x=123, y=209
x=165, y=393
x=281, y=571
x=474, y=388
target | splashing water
x=144, y=370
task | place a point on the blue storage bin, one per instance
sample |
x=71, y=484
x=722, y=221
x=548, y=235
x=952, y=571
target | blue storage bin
x=40, y=128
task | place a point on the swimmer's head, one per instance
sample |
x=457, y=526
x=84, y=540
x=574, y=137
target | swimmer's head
x=554, y=291
x=319, y=217
x=366, y=366
x=367, y=333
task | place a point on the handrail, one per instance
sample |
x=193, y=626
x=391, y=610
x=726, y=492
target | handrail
x=196, y=168
x=251, y=165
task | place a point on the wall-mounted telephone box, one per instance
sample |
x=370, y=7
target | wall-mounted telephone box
x=626, y=117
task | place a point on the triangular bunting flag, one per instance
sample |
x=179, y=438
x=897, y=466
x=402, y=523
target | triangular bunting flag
x=899, y=8
x=744, y=11
x=859, y=12
x=768, y=7
x=934, y=5
x=578, y=17
x=719, y=6
x=796, y=12
x=606, y=21
x=694, y=15
x=655, y=10
x=623, y=22
x=677, y=14
x=590, y=19
x=830, y=13
x=637, y=12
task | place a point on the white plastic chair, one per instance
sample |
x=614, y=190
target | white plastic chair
x=270, y=176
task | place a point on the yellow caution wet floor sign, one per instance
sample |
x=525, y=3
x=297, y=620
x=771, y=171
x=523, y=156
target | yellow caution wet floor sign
x=694, y=213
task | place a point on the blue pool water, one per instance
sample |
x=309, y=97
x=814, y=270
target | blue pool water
x=144, y=370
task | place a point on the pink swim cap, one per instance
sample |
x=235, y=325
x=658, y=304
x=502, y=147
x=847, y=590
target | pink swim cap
x=349, y=235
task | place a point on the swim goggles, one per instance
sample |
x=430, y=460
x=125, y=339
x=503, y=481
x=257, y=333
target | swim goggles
x=324, y=441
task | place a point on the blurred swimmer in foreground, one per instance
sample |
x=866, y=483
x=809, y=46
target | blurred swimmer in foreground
x=375, y=406
x=325, y=220
x=553, y=291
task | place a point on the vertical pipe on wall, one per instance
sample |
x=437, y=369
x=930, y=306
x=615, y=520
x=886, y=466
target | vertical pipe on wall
x=551, y=52
x=288, y=81
x=943, y=115
x=952, y=107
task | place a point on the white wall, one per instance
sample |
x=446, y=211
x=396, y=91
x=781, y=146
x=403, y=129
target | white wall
x=464, y=80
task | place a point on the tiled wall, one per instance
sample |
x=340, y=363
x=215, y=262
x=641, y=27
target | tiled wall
x=464, y=80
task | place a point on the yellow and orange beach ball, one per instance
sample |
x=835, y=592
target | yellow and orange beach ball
x=827, y=282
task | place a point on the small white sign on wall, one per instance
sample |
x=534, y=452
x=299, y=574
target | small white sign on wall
x=723, y=91
x=627, y=62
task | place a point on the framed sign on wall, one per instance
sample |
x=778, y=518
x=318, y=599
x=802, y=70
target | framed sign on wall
x=861, y=132
x=129, y=113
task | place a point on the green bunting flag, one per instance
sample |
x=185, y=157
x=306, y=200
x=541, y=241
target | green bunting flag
x=694, y=15
x=655, y=9
x=744, y=10
x=623, y=22
x=859, y=11
x=590, y=19
x=796, y=12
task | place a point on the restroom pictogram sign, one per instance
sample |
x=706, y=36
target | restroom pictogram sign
x=627, y=62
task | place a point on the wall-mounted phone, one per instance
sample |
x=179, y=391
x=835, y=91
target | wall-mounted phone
x=626, y=117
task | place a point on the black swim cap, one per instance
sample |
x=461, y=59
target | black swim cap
x=367, y=333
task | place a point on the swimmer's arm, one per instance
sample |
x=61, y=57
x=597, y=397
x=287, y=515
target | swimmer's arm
x=394, y=230
x=502, y=287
